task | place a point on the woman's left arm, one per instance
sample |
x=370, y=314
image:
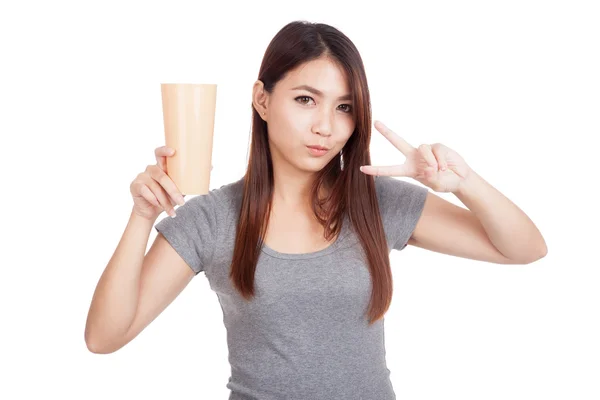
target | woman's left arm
x=492, y=229
x=510, y=230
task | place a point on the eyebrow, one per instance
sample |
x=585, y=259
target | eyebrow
x=319, y=93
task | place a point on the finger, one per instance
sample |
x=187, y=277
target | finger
x=161, y=154
x=401, y=144
x=167, y=184
x=149, y=196
x=393, y=170
x=440, y=156
x=161, y=196
x=427, y=154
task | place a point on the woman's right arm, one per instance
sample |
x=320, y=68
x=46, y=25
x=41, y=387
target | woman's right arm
x=134, y=289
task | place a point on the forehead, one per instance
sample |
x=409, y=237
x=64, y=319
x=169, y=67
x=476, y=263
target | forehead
x=322, y=74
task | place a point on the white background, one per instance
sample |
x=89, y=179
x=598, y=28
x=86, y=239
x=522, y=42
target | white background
x=512, y=86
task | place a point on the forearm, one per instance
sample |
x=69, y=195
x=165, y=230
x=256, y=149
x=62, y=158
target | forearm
x=115, y=299
x=507, y=226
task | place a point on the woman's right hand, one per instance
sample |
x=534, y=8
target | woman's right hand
x=153, y=190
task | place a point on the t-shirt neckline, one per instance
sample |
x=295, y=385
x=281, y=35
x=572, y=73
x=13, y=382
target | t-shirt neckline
x=305, y=256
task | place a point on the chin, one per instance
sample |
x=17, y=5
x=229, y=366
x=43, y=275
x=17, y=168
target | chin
x=311, y=169
x=314, y=165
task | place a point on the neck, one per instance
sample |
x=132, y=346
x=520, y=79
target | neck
x=292, y=187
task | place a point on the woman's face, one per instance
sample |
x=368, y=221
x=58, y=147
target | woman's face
x=310, y=106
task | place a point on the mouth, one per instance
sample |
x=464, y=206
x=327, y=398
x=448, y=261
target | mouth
x=317, y=151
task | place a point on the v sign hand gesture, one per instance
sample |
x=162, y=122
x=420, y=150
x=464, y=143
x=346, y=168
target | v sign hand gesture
x=436, y=166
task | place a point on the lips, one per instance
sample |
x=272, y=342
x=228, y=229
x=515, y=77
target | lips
x=318, y=147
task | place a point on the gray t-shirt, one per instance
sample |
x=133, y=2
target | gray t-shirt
x=305, y=335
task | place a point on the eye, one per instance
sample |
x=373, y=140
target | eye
x=348, y=107
x=303, y=97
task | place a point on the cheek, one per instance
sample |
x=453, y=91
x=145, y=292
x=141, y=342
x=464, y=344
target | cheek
x=284, y=136
x=347, y=130
x=289, y=131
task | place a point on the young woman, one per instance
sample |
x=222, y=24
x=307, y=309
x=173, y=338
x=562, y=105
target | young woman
x=297, y=250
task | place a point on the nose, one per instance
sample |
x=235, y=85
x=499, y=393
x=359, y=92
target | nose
x=323, y=124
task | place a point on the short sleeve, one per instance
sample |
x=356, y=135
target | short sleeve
x=401, y=205
x=192, y=232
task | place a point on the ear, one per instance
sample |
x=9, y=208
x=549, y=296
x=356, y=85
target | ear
x=260, y=99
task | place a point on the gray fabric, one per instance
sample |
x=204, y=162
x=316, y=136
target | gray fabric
x=305, y=335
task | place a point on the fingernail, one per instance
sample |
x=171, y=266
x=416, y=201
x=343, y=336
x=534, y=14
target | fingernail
x=172, y=213
x=180, y=200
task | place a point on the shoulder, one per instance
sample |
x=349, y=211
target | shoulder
x=221, y=199
x=401, y=205
x=392, y=192
x=196, y=231
x=205, y=210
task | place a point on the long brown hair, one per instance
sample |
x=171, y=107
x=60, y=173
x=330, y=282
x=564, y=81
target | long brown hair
x=352, y=192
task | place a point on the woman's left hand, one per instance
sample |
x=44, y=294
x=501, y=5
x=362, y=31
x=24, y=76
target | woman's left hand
x=436, y=165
